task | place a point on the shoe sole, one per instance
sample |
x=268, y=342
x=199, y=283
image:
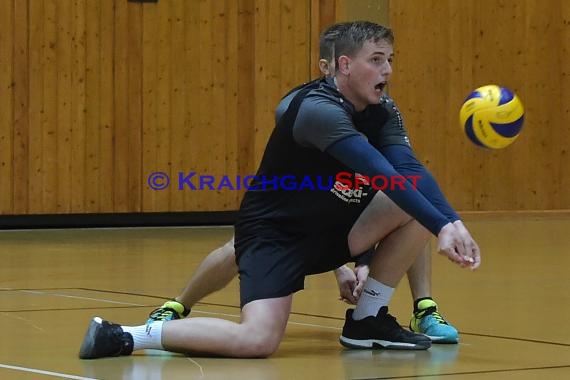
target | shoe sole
x=437, y=339
x=87, y=350
x=442, y=339
x=385, y=344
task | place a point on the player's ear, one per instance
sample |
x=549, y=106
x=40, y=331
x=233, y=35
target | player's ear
x=324, y=67
x=344, y=64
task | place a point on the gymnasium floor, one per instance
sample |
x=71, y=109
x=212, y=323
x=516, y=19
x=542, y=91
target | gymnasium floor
x=513, y=312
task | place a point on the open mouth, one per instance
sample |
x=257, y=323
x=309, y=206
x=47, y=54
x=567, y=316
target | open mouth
x=380, y=86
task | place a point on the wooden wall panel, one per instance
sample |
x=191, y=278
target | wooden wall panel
x=209, y=144
x=231, y=94
x=97, y=95
x=107, y=108
x=37, y=106
x=20, y=116
x=281, y=59
x=323, y=14
x=128, y=107
x=6, y=105
x=369, y=10
x=246, y=70
x=210, y=92
x=93, y=173
x=446, y=49
x=64, y=102
x=122, y=159
x=78, y=109
x=190, y=92
x=564, y=84
x=134, y=118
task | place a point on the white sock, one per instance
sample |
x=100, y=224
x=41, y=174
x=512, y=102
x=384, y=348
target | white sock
x=146, y=336
x=374, y=295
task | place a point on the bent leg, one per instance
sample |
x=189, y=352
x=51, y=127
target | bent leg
x=403, y=249
x=258, y=334
x=426, y=318
x=397, y=252
x=213, y=274
x=401, y=239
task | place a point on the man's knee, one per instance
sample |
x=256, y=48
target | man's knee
x=263, y=326
x=356, y=244
x=366, y=235
x=228, y=248
x=417, y=232
x=228, y=255
x=380, y=217
x=261, y=344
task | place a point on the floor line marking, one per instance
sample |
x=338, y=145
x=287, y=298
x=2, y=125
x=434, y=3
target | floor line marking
x=80, y=297
x=48, y=373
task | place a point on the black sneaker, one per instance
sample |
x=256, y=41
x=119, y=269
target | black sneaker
x=381, y=331
x=104, y=339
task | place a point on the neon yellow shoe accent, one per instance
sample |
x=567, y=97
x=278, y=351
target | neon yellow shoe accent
x=429, y=322
x=174, y=305
x=169, y=311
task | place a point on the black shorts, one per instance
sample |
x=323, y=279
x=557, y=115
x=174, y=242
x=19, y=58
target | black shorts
x=273, y=259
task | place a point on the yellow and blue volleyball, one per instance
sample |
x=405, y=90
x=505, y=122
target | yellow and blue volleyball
x=492, y=116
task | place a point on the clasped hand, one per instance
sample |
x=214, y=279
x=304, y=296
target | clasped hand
x=455, y=242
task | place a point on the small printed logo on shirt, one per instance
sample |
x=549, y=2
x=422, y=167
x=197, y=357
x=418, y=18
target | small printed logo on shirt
x=347, y=194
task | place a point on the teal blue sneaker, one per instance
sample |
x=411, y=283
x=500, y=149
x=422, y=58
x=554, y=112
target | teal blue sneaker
x=427, y=320
x=169, y=311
